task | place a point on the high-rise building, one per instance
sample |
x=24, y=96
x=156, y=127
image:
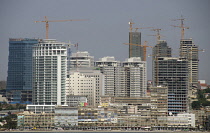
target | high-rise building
x=19, y=79
x=190, y=51
x=49, y=72
x=133, y=78
x=161, y=49
x=81, y=60
x=125, y=79
x=173, y=73
x=110, y=68
x=134, y=50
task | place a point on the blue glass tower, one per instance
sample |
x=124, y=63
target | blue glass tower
x=19, y=77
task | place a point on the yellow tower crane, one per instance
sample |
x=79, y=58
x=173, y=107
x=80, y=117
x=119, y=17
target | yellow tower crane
x=130, y=36
x=46, y=21
x=158, y=36
x=144, y=48
x=181, y=26
x=142, y=28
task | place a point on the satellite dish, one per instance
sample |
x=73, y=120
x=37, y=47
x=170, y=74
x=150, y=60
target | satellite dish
x=170, y=113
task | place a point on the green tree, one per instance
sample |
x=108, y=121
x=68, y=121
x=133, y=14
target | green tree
x=196, y=104
x=207, y=90
x=11, y=121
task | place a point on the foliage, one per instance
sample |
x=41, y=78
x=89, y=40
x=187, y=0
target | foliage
x=201, y=99
x=11, y=121
x=6, y=106
x=196, y=104
x=207, y=90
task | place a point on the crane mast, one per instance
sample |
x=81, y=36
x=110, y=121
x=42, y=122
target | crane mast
x=181, y=26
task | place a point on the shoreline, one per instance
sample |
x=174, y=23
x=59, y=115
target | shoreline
x=99, y=131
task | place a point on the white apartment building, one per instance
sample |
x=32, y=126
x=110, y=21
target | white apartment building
x=182, y=120
x=111, y=70
x=81, y=59
x=135, y=77
x=78, y=84
x=125, y=79
x=49, y=72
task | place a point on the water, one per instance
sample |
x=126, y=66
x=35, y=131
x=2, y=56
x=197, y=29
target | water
x=97, y=131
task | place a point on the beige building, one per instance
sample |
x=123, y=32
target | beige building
x=41, y=121
x=78, y=84
x=133, y=112
x=159, y=106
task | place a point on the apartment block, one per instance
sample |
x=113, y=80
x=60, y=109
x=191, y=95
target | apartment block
x=49, y=72
x=159, y=106
x=78, y=84
x=124, y=79
x=81, y=59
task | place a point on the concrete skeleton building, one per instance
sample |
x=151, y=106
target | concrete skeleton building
x=173, y=73
x=190, y=51
x=161, y=49
x=19, y=79
x=49, y=72
x=125, y=79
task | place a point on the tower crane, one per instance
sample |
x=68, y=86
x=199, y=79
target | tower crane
x=181, y=26
x=130, y=36
x=144, y=48
x=142, y=28
x=131, y=25
x=46, y=21
x=158, y=36
x=131, y=39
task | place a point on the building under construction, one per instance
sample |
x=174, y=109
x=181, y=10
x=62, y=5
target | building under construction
x=135, y=50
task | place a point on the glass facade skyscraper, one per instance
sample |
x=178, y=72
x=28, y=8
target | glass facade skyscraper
x=19, y=78
x=134, y=50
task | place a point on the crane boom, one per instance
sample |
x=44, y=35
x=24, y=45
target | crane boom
x=142, y=28
x=47, y=23
x=144, y=48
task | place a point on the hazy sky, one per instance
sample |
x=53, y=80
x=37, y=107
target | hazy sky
x=107, y=28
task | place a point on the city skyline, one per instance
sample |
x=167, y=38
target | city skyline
x=107, y=28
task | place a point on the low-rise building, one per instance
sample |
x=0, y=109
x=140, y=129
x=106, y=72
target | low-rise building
x=87, y=117
x=76, y=100
x=31, y=120
x=182, y=120
x=65, y=116
x=41, y=108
